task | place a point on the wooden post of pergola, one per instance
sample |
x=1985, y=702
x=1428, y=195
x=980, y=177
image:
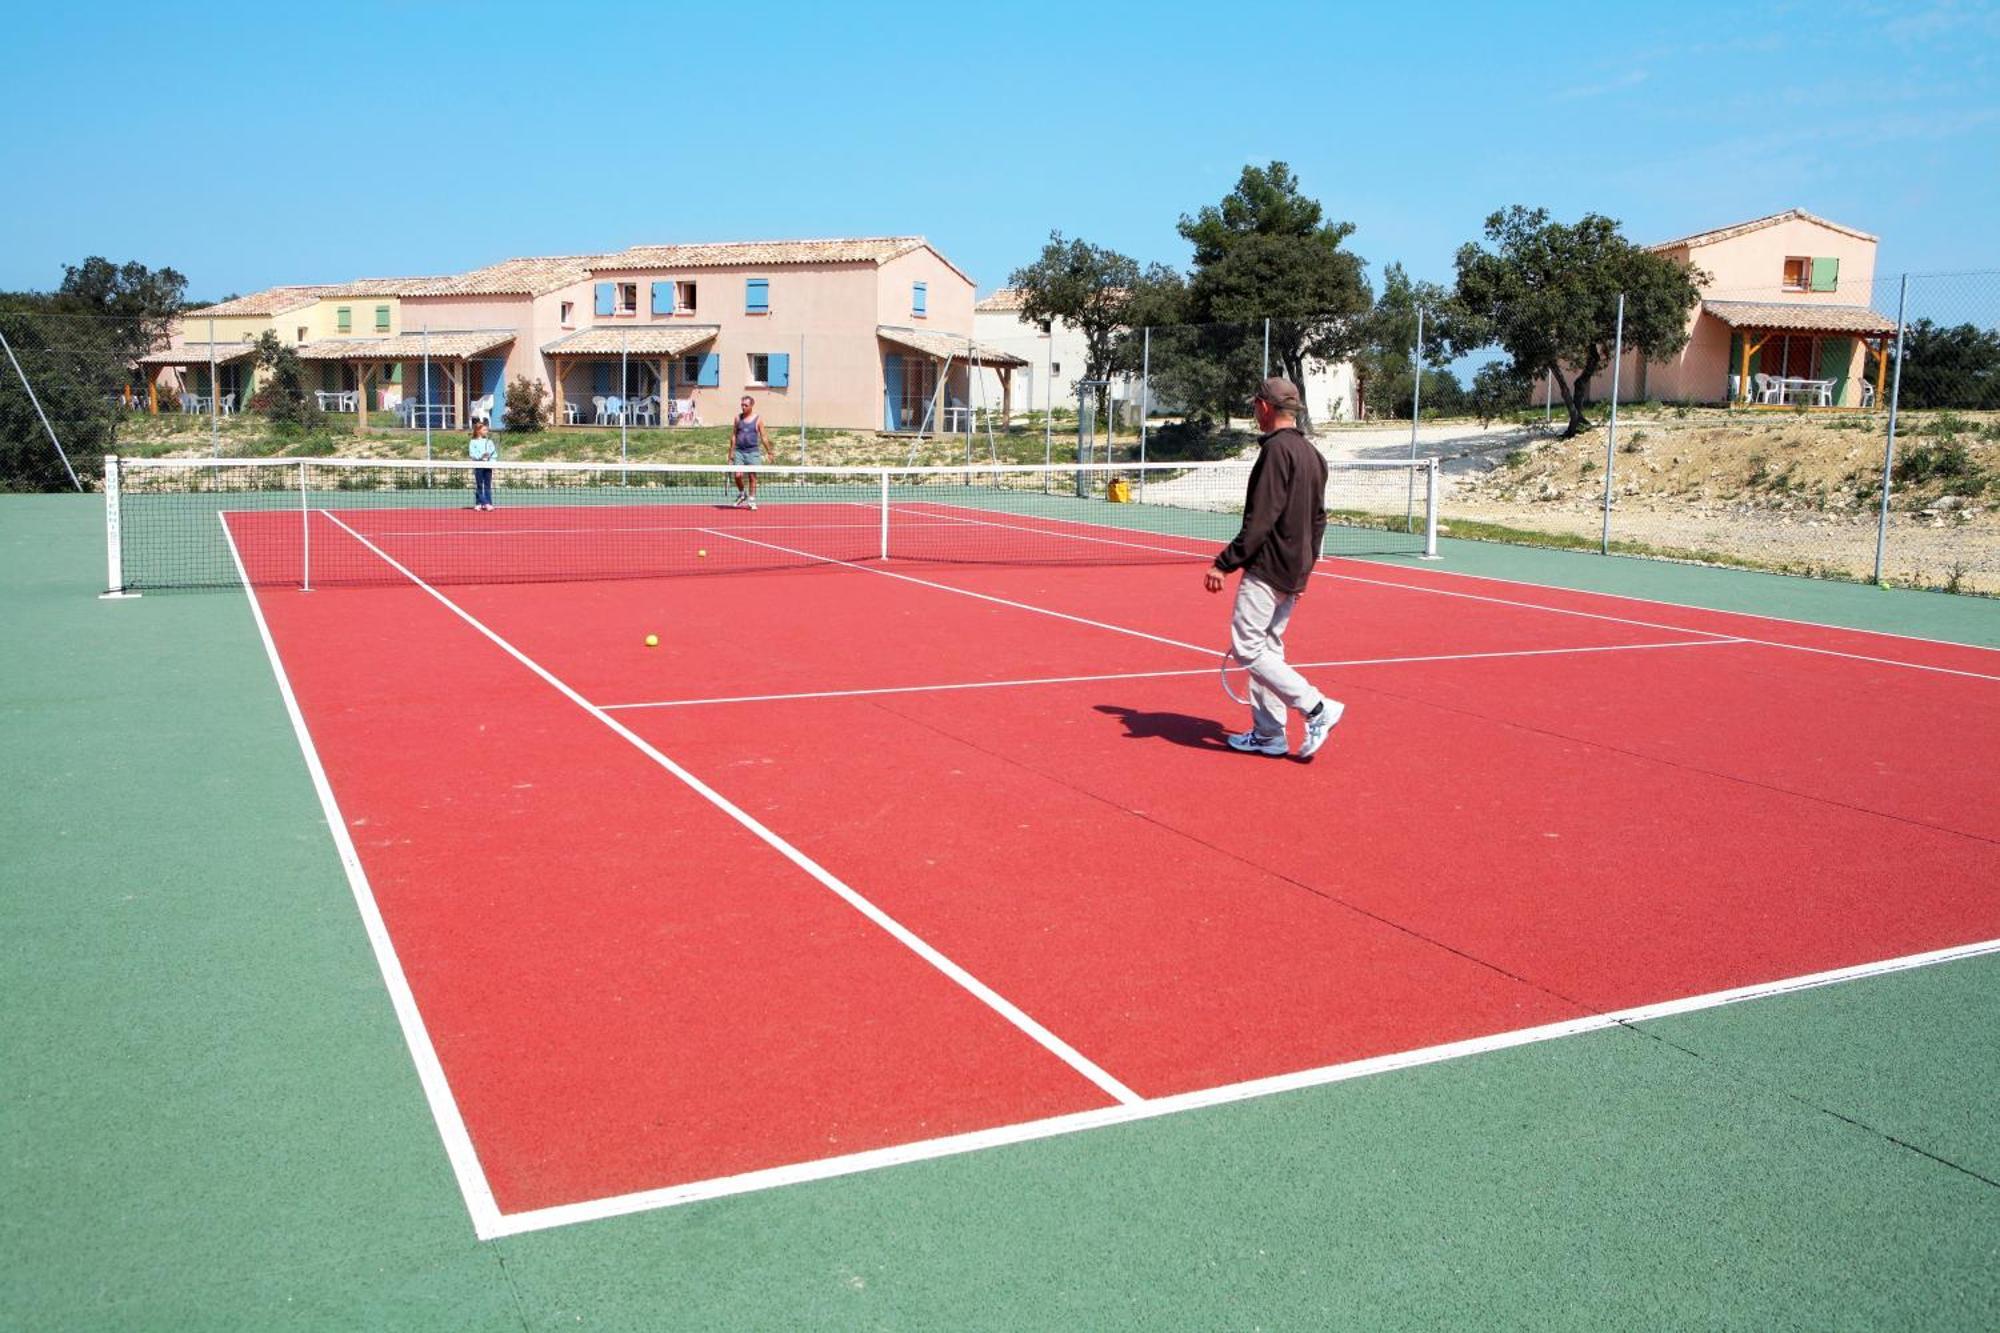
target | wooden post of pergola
x=458, y=391
x=1006, y=396
x=363, y=372
x=1750, y=349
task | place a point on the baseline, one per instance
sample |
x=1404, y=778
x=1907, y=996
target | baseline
x=955, y=1145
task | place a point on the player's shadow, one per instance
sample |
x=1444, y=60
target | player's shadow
x=1197, y=733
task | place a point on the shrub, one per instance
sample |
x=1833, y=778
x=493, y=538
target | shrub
x=1195, y=440
x=527, y=405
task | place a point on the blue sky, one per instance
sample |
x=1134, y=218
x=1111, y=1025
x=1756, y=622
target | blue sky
x=249, y=145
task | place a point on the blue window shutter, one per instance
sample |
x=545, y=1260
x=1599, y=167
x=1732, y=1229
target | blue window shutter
x=663, y=298
x=756, y=296
x=780, y=373
x=607, y=298
x=918, y=294
x=892, y=397
x=711, y=370
x=600, y=377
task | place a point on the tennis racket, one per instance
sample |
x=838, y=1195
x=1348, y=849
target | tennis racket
x=1235, y=677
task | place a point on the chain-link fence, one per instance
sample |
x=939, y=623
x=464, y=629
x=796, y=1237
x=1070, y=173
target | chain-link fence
x=1851, y=433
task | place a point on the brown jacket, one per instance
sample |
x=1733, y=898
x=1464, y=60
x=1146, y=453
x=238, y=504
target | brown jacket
x=1284, y=514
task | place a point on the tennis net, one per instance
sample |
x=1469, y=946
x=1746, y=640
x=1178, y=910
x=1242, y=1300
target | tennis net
x=329, y=522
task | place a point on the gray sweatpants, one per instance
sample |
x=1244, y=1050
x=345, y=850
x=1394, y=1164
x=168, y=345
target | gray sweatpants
x=1257, y=637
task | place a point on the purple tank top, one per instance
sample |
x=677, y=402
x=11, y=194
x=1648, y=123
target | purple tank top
x=746, y=433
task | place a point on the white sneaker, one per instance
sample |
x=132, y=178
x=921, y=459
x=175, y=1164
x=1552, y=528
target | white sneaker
x=753, y=502
x=741, y=499
x=1250, y=742
x=1318, y=723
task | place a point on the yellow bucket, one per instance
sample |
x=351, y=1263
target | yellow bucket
x=1119, y=492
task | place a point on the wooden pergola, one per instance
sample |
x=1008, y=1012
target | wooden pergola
x=944, y=348
x=659, y=345
x=448, y=354
x=1756, y=323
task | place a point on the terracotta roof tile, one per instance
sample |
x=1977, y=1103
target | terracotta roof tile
x=1756, y=224
x=406, y=347
x=510, y=277
x=1799, y=317
x=636, y=341
x=942, y=345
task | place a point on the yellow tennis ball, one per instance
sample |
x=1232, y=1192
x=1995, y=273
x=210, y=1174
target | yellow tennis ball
x=703, y=553
x=652, y=640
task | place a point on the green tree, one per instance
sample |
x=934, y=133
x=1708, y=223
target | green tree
x=1266, y=251
x=284, y=395
x=1382, y=361
x=1088, y=288
x=1497, y=389
x=1547, y=293
x=1954, y=365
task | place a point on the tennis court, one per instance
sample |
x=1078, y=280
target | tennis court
x=916, y=836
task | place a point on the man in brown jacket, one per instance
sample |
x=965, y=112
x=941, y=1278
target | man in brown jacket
x=1284, y=521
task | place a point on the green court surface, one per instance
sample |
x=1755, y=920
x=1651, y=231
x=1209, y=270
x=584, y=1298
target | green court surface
x=208, y=1117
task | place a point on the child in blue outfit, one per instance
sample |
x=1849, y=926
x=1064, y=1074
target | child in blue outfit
x=482, y=450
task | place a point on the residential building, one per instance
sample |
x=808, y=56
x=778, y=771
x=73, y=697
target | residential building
x=1059, y=354
x=1786, y=319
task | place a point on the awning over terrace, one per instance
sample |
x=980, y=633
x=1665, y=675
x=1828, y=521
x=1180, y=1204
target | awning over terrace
x=943, y=349
x=447, y=353
x=1818, y=353
x=637, y=343
x=945, y=346
x=198, y=354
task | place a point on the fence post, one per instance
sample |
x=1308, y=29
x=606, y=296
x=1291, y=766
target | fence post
x=885, y=513
x=1611, y=431
x=1432, y=480
x=1416, y=413
x=430, y=478
x=1889, y=445
x=38, y=411
x=214, y=398
x=1267, y=348
x=624, y=403
x=800, y=380
x=1145, y=400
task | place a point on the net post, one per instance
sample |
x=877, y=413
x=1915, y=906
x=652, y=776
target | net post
x=114, y=540
x=1430, y=509
x=305, y=526
x=884, y=479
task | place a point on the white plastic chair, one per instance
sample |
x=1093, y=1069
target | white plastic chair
x=229, y=404
x=481, y=408
x=1769, y=388
x=644, y=412
x=597, y=409
x=570, y=412
x=1867, y=394
x=614, y=407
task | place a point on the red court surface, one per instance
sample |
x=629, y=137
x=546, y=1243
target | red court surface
x=867, y=856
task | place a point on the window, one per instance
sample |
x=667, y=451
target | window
x=343, y=319
x=569, y=314
x=381, y=319
x=1796, y=273
x=691, y=368
x=760, y=368
x=684, y=298
x=919, y=298
x=628, y=298
x=756, y=296
x=302, y=334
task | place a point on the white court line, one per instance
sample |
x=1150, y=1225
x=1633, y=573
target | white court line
x=967, y=592
x=612, y=530
x=465, y=1167
x=953, y=1145
x=1558, y=610
x=903, y=934
x=1151, y=675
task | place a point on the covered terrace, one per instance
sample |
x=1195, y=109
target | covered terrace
x=639, y=368
x=1801, y=355
x=922, y=394
x=439, y=400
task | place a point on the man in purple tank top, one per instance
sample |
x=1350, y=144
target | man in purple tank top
x=746, y=449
